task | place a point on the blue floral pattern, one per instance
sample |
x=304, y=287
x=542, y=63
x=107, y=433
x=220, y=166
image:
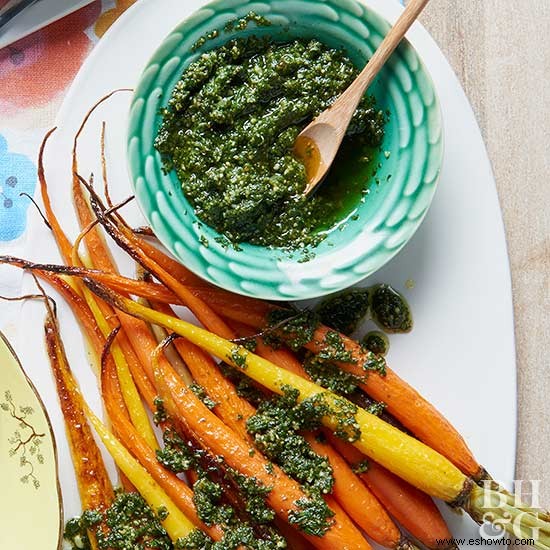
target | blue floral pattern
x=17, y=176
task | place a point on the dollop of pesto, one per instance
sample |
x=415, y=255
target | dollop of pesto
x=345, y=311
x=389, y=309
x=176, y=455
x=250, y=527
x=130, y=524
x=229, y=128
x=275, y=428
x=377, y=342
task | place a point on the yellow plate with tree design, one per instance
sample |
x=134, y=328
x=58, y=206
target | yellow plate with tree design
x=31, y=508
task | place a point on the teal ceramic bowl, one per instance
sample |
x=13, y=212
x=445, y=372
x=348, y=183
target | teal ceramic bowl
x=385, y=221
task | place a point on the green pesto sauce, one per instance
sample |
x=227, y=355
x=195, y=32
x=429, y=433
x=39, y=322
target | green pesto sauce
x=229, y=129
x=130, y=525
x=323, y=368
x=251, y=527
x=296, y=328
x=275, y=428
x=201, y=393
x=389, y=309
x=377, y=342
x=345, y=311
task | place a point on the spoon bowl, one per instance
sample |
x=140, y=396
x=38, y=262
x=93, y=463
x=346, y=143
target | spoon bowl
x=318, y=143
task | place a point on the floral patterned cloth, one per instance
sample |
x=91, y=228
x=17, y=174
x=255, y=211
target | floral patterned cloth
x=35, y=72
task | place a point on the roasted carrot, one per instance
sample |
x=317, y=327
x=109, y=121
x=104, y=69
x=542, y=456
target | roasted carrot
x=128, y=366
x=412, y=508
x=177, y=525
x=354, y=497
x=179, y=271
x=358, y=501
x=231, y=408
x=213, y=434
x=78, y=306
x=94, y=485
x=60, y=237
x=175, y=488
x=402, y=400
x=295, y=540
x=407, y=405
x=128, y=241
x=130, y=393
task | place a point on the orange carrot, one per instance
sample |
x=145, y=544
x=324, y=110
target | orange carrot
x=60, y=237
x=213, y=434
x=407, y=405
x=358, y=501
x=295, y=540
x=175, y=488
x=179, y=271
x=412, y=508
x=78, y=306
x=231, y=408
x=94, y=486
x=131, y=244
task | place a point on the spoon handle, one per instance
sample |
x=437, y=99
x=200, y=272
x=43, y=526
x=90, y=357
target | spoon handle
x=383, y=52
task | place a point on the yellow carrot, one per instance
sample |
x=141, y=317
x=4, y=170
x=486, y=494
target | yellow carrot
x=132, y=399
x=177, y=525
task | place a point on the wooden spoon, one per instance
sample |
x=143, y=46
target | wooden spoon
x=317, y=144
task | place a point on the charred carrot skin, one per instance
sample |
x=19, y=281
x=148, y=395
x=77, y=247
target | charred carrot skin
x=96, y=491
x=412, y=508
x=94, y=486
x=125, y=238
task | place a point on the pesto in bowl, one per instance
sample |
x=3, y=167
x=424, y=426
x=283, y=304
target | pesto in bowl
x=379, y=203
x=229, y=128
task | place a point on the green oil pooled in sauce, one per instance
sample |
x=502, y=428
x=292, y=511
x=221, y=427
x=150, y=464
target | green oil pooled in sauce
x=229, y=129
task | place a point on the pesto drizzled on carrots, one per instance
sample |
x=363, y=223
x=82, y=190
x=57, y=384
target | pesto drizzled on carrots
x=229, y=129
